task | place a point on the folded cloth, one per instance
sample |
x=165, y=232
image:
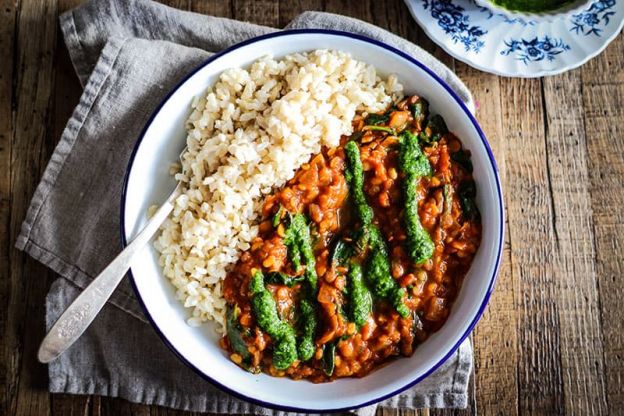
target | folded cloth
x=128, y=55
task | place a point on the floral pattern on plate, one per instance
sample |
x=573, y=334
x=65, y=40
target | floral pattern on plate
x=535, y=49
x=593, y=20
x=452, y=19
x=495, y=43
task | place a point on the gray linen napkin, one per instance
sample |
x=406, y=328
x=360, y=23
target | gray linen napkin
x=128, y=55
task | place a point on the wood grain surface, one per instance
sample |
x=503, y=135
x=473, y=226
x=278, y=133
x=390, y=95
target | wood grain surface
x=552, y=338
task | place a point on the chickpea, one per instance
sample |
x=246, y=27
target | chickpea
x=365, y=355
x=236, y=358
x=346, y=349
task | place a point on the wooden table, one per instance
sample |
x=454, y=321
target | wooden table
x=551, y=340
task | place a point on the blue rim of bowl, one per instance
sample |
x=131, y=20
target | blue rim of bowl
x=420, y=65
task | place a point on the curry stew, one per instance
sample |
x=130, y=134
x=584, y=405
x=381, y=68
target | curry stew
x=360, y=256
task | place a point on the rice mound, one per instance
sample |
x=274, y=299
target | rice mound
x=248, y=135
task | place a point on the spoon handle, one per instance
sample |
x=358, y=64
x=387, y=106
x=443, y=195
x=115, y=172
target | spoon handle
x=79, y=315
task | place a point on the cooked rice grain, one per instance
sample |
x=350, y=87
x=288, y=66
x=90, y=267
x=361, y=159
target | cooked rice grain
x=246, y=136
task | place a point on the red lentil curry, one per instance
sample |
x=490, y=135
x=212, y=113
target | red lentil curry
x=360, y=256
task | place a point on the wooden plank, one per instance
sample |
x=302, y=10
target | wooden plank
x=164, y=411
x=394, y=17
x=34, y=78
x=261, y=12
x=360, y=9
x=573, y=256
x=70, y=405
x=603, y=98
x=9, y=297
x=178, y=4
x=289, y=9
x=214, y=8
x=532, y=238
x=96, y=406
x=32, y=394
x=119, y=407
x=495, y=340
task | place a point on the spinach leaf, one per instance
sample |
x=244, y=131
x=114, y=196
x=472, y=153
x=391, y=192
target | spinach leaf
x=377, y=119
x=357, y=135
x=418, y=329
x=420, y=111
x=277, y=217
x=435, y=129
x=280, y=278
x=437, y=125
x=389, y=130
x=329, y=356
x=463, y=159
x=341, y=253
x=467, y=193
x=235, y=333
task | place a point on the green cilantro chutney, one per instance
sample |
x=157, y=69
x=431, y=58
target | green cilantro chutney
x=531, y=5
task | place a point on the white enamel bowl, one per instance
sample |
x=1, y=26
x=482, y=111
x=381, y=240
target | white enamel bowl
x=148, y=182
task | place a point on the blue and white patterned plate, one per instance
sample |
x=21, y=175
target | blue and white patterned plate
x=495, y=43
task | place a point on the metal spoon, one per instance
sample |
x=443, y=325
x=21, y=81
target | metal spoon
x=79, y=315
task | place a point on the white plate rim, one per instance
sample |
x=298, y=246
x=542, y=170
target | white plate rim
x=512, y=74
